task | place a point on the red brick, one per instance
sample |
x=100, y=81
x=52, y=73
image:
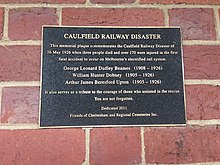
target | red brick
x=1, y=21
x=113, y=17
x=43, y=1
x=29, y=22
x=19, y=63
x=204, y=2
x=202, y=62
x=196, y=24
x=112, y=1
x=35, y=147
x=182, y=145
x=20, y=105
x=203, y=102
x=118, y=146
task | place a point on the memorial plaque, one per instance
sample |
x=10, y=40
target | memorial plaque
x=111, y=76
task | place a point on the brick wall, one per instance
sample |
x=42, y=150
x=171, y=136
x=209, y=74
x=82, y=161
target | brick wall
x=21, y=142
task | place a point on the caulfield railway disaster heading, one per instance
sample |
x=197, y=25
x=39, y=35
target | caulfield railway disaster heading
x=113, y=36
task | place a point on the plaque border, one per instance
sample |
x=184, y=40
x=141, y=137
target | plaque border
x=112, y=126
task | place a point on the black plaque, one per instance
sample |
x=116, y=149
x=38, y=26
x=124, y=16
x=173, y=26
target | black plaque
x=111, y=76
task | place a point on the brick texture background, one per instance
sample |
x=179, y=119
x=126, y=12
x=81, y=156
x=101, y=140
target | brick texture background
x=42, y=1
x=112, y=1
x=112, y=17
x=196, y=24
x=201, y=62
x=20, y=63
x=204, y=2
x=1, y=21
x=20, y=105
x=115, y=146
x=20, y=54
x=57, y=146
x=202, y=102
x=29, y=22
x=182, y=145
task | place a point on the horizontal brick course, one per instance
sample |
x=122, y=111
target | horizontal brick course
x=201, y=62
x=182, y=145
x=196, y=23
x=29, y=21
x=204, y=2
x=20, y=105
x=19, y=63
x=35, y=147
x=118, y=146
x=43, y=1
x=203, y=102
x=112, y=17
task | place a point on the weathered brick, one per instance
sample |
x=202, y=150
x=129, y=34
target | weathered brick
x=202, y=62
x=29, y=21
x=20, y=105
x=204, y=2
x=55, y=147
x=112, y=17
x=43, y=1
x=182, y=145
x=1, y=21
x=19, y=63
x=196, y=24
x=118, y=146
x=203, y=102
x=112, y=1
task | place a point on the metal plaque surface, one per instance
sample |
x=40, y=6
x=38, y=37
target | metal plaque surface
x=111, y=76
